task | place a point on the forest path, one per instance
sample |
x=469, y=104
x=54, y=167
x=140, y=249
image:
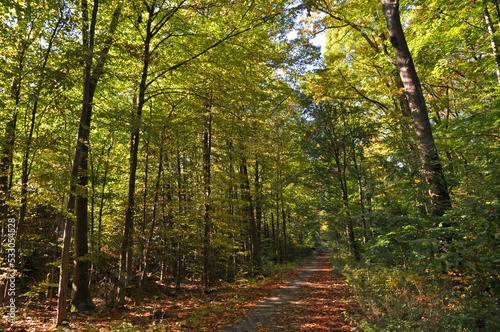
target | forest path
x=315, y=300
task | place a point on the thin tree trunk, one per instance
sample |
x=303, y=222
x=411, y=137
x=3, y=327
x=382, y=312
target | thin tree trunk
x=360, y=192
x=273, y=234
x=7, y=157
x=207, y=149
x=493, y=38
x=232, y=197
x=101, y=203
x=283, y=217
x=25, y=168
x=278, y=186
x=341, y=176
x=277, y=239
x=246, y=197
x=92, y=207
x=431, y=165
x=178, y=243
x=144, y=269
x=258, y=214
x=144, y=208
x=125, y=252
x=6, y=165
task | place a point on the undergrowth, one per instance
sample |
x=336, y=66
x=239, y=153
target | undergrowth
x=429, y=275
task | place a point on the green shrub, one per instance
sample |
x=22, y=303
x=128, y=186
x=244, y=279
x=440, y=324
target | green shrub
x=430, y=274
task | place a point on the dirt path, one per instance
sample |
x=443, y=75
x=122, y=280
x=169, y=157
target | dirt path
x=315, y=300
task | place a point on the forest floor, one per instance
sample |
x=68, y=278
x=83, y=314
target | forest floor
x=309, y=298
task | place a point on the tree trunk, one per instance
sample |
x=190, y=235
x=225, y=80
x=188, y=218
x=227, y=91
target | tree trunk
x=178, y=244
x=283, y=217
x=81, y=299
x=7, y=165
x=7, y=144
x=150, y=235
x=357, y=168
x=273, y=234
x=246, y=197
x=207, y=149
x=142, y=239
x=493, y=38
x=345, y=201
x=92, y=208
x=431, y=165
x=258, y=212
x=101, y=203
x=62, y=293
x=277, y=238
x=126, y=247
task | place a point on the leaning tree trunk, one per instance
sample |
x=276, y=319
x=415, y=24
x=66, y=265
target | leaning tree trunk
x=493, y=39
x=431, y=168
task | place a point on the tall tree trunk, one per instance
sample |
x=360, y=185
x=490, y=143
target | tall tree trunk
x=258, y=212
x=207, y=151
x=493, y=38
x=283, y=217
x=277, y=235
x=178, y=244
x=144, y=269
x=232, y=197
x=81, y=299
x=246, y=197
x=341, y=176
x=126, y=247
x=127, y=239
x=431, y=165
x=101, y=203
x=278, y=187
x=7, y=164
x=92, y=208
x=142, y=239
x=357, y=168
x=7, y=146
x=273, y=233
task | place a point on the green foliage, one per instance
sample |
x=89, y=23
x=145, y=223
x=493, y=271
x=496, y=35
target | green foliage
x=428, y=275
